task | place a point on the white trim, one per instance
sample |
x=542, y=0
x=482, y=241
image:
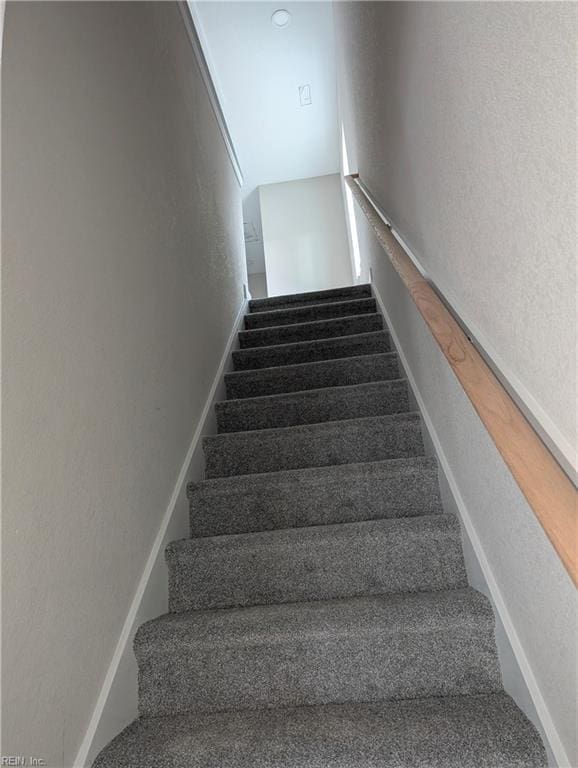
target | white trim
x=135, y=615
x=495, y=594
x=556, y=442
x=349, y=206
x=2, y=10
x=193, y=27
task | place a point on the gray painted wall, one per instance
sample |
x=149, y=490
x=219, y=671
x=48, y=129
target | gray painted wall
x=465, y=118
x=122, y=274
x=460, y=119
x=258, y=285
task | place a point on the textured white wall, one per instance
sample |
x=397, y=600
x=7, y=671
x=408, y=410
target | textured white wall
x=304, y=235
x=259, y=69
x=465, y=118
x=122, y=274
x=461, y=120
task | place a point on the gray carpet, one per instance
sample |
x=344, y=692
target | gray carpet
x=379, y=398
x=316, y=563
x=321, y=374
x=318, y=329
x=312, y=350
x=314, y=496
x=291, y=300
x=314, y=445
x=401, y=646
x=319, y=615
x=308, y=312
x=455, y=732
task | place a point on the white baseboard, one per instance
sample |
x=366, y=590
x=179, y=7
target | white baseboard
x=541, y=713
x=116, y=705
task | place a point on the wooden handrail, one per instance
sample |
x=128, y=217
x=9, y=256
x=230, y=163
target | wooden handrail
x=548, y=490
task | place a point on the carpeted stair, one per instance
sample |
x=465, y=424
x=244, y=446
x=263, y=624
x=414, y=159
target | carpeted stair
x=320, y=615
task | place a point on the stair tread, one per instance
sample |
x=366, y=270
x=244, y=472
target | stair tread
x=313, y=406
x=314, y=374
x=314, y=496
x=381, y=615
x=311, y=331
x=345, y=532
x=481, y=731
x=394, y=646
x=306, y=428
x=309, y=297
x=292, y=315
x=239, y=483
x=316, y=563
x=333, y=442
x=312, y=350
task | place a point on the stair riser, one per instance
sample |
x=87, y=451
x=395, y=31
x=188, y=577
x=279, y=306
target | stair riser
x=308, y=314
x=312, y=351
x=316, y=564
x=319, y=375
x=307, y=299
x=312, y=497
x=325, y=329
x=350, y=667
x=313, y=407
x=344, y=442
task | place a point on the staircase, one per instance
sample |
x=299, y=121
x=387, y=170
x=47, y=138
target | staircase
x=320, y=615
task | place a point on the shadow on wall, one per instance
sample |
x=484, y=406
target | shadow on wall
x=258, y=285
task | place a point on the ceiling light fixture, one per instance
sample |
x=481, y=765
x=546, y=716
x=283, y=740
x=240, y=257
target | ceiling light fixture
x=281, y=18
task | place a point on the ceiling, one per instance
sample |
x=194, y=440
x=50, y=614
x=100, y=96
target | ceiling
x=258, y=71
